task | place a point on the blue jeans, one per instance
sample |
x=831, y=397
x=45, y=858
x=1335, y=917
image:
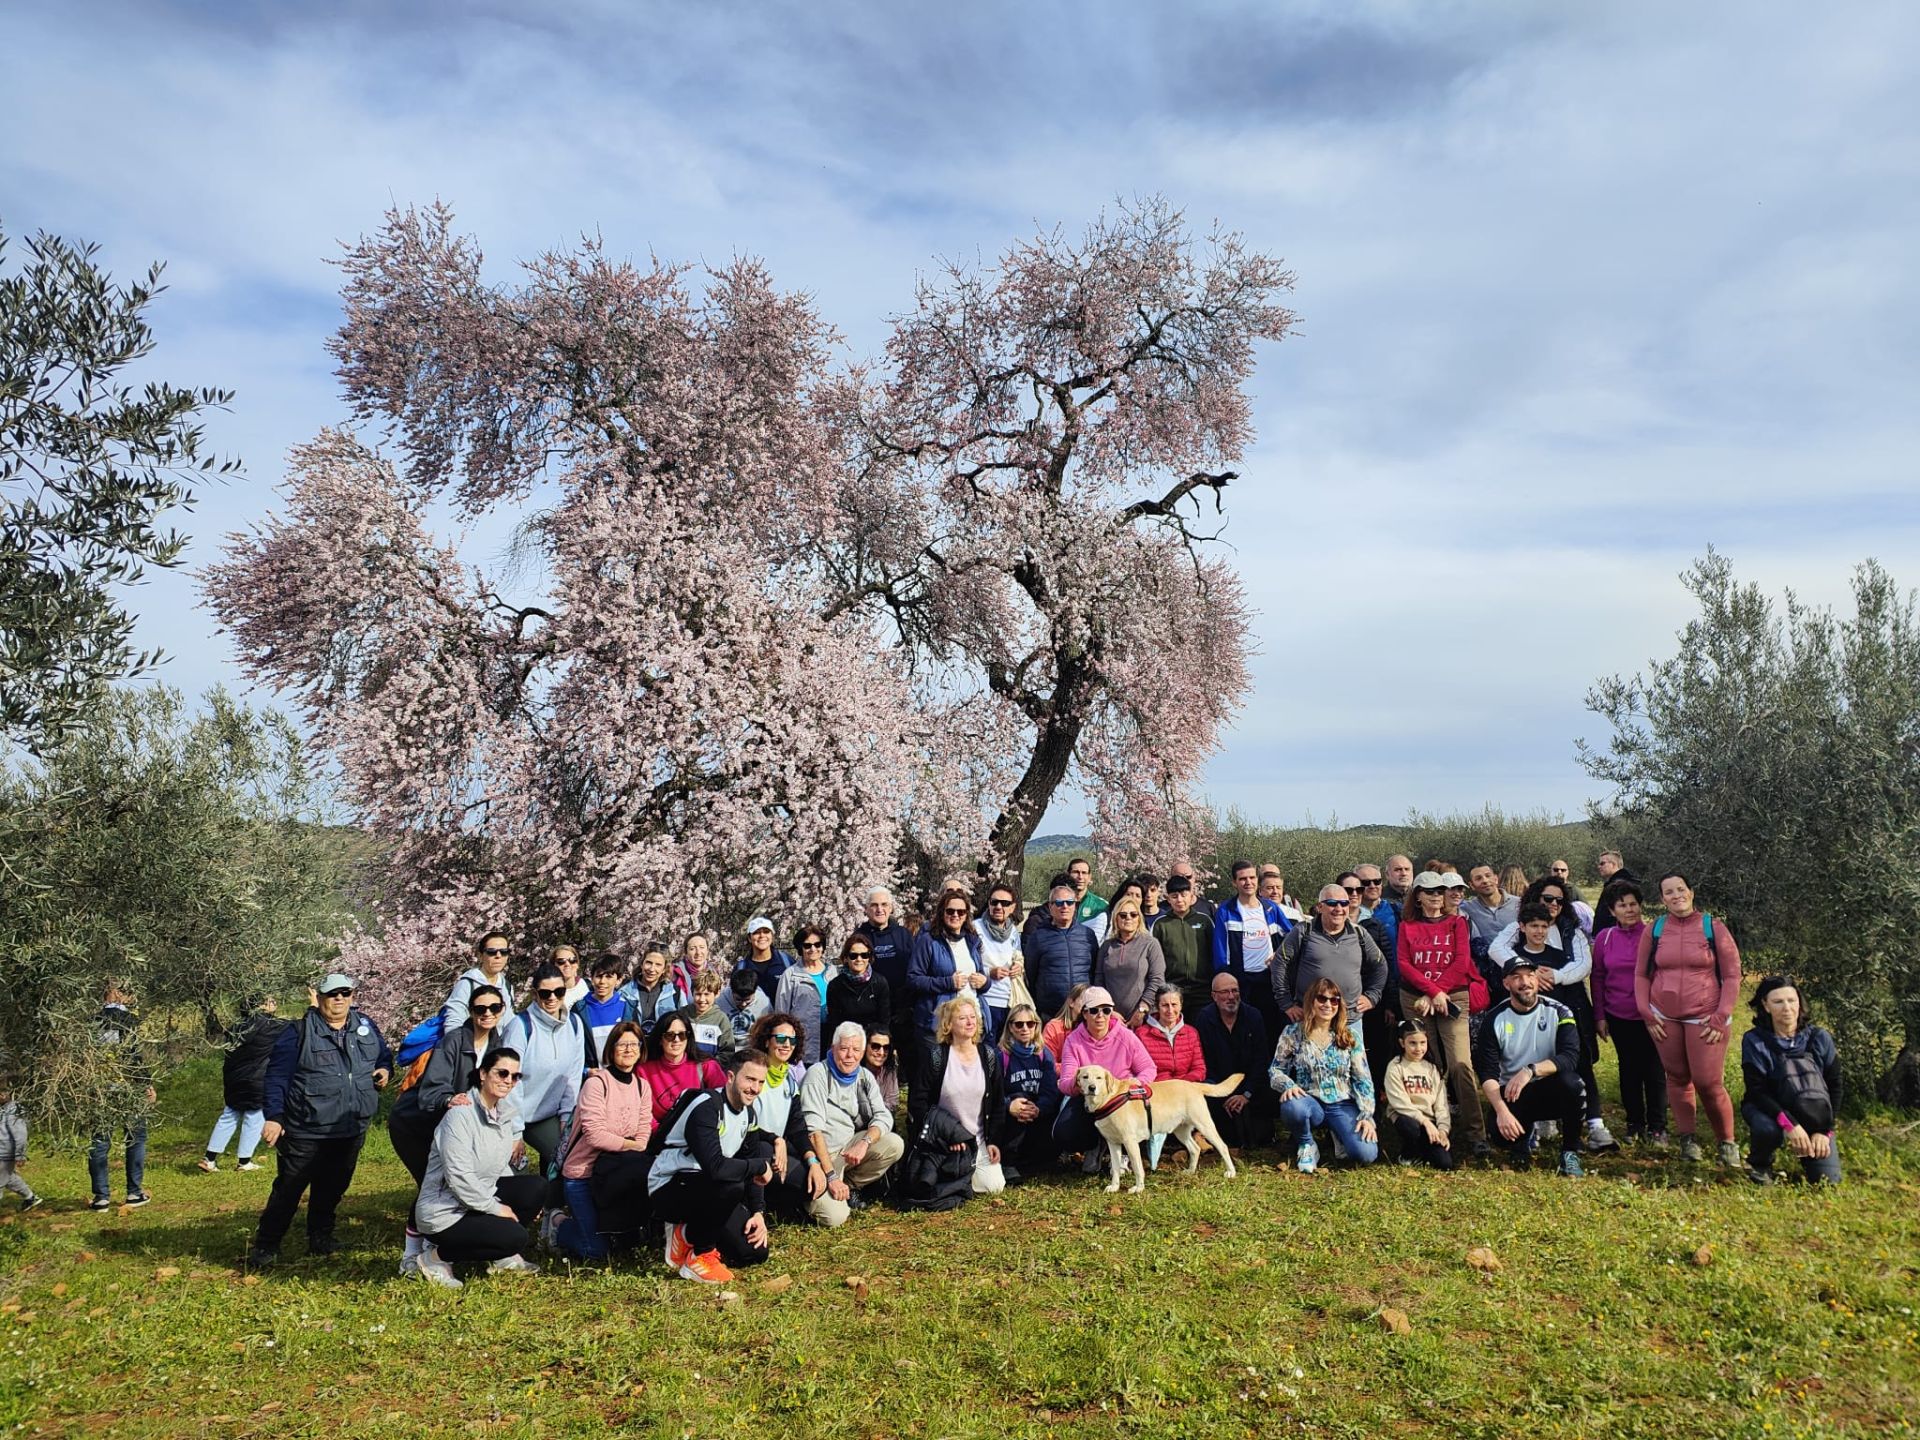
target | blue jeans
x=1764, y=1132
x=579, y=1233
x=247, y=1122
x=136, y=1160
x=1342, y=1117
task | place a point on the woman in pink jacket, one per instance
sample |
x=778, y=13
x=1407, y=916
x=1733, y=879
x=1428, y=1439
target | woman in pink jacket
x=604, y=1170
x=1686, y=977
x=1099, y=1039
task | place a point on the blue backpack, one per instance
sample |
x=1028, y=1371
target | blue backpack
x=421, y=1039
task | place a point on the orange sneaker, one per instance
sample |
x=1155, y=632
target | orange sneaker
x=707, y=1269
x=679, y=1252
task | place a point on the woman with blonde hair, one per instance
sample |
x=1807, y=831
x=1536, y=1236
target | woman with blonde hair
x=1054, y=1033
x=1320, y=1073
x=1032, y=1087
x=962, y=1077
x=1513, y=880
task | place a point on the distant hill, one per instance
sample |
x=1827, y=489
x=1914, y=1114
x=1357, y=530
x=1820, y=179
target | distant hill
x=1058, y=842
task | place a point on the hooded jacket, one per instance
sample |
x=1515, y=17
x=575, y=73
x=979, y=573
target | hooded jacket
x=867, y=1003
x=1176, y=1055
x=243, y=1074
x=801, y=997
x=553, y=1057
x=472, y=1151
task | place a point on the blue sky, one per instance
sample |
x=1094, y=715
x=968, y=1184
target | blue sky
x=1584, y=289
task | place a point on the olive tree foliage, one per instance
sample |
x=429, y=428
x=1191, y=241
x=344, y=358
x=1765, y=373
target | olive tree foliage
x=90, y=463
x=179, y=853
x=1775, y=759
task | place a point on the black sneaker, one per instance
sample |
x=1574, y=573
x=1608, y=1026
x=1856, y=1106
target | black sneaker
x=137, y=1199
x=100, y=1202
x=32, y=1202
x=322, y=1245
x=261, y=1258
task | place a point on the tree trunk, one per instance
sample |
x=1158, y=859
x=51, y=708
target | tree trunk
x=1046, y=768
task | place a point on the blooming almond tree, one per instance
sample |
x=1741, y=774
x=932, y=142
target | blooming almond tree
x=663, y=725
x=1026, y=514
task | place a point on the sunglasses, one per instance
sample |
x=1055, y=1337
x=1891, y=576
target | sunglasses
x=547, y=992
x=1553, y=900
x=1326, y=999
x=493, y=1009
x=1126, y=914
x=782, y=1039
x=512, y=1077
x=996, y=900
x=1060, y=904
x=1336, y=904
x=1353, y=889
x=859, y=954
x=813, y=945
x=1098, y=1010
x=336, y=995
x=950, y=910
x=879, y=1047
x=667, y=1035
x=1371, y=884
x=1023, y=1024
x=496, y=950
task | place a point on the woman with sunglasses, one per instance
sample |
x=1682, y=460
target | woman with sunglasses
x=1099, y=1039
x=1129, y=964
x=883, y=1060
x=858, y=994
x=491, y=954
x=776, y=1112
x=1565, y=979
x=1101, y=924
x=1320, y=1073
x=1032, y=1087
x=672, y=1067
x=999, y=932
x=472, y=1205
x=802, y=990
x=553, y=1048
x=604, y=1170
x=945, y=962
x=453, y=1069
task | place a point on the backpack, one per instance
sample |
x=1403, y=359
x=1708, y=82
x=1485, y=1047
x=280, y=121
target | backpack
x=1706, y=928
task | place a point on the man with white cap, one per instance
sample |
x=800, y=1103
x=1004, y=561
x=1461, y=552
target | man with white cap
x=766, y=963
x=322, y=1088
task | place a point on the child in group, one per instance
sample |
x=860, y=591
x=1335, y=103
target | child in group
x=745, y=1002
x=712, y=1028
x=654, y=989
x=1417, y=1102
x=607, y=1005
x=13, y=1149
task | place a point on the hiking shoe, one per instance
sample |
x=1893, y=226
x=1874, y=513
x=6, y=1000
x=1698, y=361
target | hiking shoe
x=100, y=1202
x=1759, y=1176
x=32, y=1202
x=1307, y=1158
x=260, y=1257
x=322, y=1245
x=1690, y=1149
x=513, y=1265
x=1093, y=1164
x=212, y=1167
x=247, y=1164
x=1570, y=1165
x=1600, y=1140
x=1482, y=1149
x=679, y=1250
x=137, y=1199
x=707, y=1269
x=431, y=1268
x=1657, y=1140
x=550, y=1230
x=409, y=1265
x=1729, y=1155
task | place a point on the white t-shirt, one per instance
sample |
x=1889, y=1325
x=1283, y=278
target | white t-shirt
x=998, y=994
x=1256, y=943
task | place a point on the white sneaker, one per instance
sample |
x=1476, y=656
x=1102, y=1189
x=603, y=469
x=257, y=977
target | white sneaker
x=409, y=1265
x=513, y=1265
x=431, y=1268
x=246, y=1165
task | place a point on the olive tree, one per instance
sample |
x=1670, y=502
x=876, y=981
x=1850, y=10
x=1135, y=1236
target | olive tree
x=1775, y=758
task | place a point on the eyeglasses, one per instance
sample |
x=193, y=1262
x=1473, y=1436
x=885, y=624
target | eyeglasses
x=493, y=1009
x=496, y=950
x=337, y=995
x=548, y=992
x=1098, y=1010
x=1336, y=904
x=813, y=944
x=782, y=1039
x=512, y=1077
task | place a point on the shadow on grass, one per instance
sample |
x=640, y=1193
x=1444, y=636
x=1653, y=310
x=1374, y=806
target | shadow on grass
x=368, y=1229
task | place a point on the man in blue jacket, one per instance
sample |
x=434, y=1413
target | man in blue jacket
x=1059, y=953
x=322, y=1088
x=1246, y=938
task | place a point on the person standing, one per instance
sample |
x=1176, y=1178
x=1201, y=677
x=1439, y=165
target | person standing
x=491, y=955
x=1616, y=1013
x=1437, y=969
x=762, y=961
x=243, y=1076
x=1686, y=978
x=1186, y=945
x=803, y=987
x=552, y=1041
x=116, y=1031
x=999, y=932
x=1246, y=934
x=1060, y=953
x=13, y=1149
x=946, y=962
x=1399, y=881
x=1130, y=965
x=1381, y=906
x=1489, y=910
x=857, y=994
x=892, y=948
x=1080, y=877
x=1182, y=869
x=1334, y=949
x=322, y=1089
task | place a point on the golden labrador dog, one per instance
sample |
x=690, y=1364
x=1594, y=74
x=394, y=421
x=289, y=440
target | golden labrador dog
x=1178, y=1108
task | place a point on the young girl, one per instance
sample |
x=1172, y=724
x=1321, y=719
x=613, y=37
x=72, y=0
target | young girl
x=1417, y=1102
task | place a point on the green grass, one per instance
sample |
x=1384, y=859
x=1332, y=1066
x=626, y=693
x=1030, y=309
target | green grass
x=1205, y=1307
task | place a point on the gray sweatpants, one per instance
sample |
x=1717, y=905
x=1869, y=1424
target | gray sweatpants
x=10, y=1179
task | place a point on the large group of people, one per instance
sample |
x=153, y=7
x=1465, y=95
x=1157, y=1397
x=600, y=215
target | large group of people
x=1407, y=1013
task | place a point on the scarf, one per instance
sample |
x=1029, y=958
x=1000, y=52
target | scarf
x=776, y=1075
x=999, y=933
x=833, y=1069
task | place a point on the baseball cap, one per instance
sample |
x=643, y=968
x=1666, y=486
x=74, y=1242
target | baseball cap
x=335, y=981
x=1522, y=961
x=1095, y=995
x=1429, y=880
x=759, y=922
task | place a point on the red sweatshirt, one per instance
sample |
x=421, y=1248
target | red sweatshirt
x=1436, y=956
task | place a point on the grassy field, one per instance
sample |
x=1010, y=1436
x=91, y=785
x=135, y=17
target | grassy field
x=1651, y=1299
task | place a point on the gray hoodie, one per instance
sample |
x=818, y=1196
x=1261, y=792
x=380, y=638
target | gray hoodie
x=13, y=1134
x=553, y=1060
x=472, y=1152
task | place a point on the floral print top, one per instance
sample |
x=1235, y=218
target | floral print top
x=1324, y=1071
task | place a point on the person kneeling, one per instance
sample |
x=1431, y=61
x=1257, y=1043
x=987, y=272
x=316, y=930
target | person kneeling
x=1527, y=1056
x=956, y=1114
x=1792, y=1072
x=709, y=1183
x=849, y=1129
x=472, y=1205
x=1320, y=1073
x=1417, y=1101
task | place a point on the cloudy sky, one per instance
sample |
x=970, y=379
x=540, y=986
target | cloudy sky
x=1584, y=289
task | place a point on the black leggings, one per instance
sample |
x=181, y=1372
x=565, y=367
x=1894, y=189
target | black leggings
x=494, y=1237
x=715, y=1214
x=1414, y=1144
x=1643, y=1080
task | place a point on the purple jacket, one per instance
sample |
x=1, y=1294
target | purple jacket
x=1615, y=950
